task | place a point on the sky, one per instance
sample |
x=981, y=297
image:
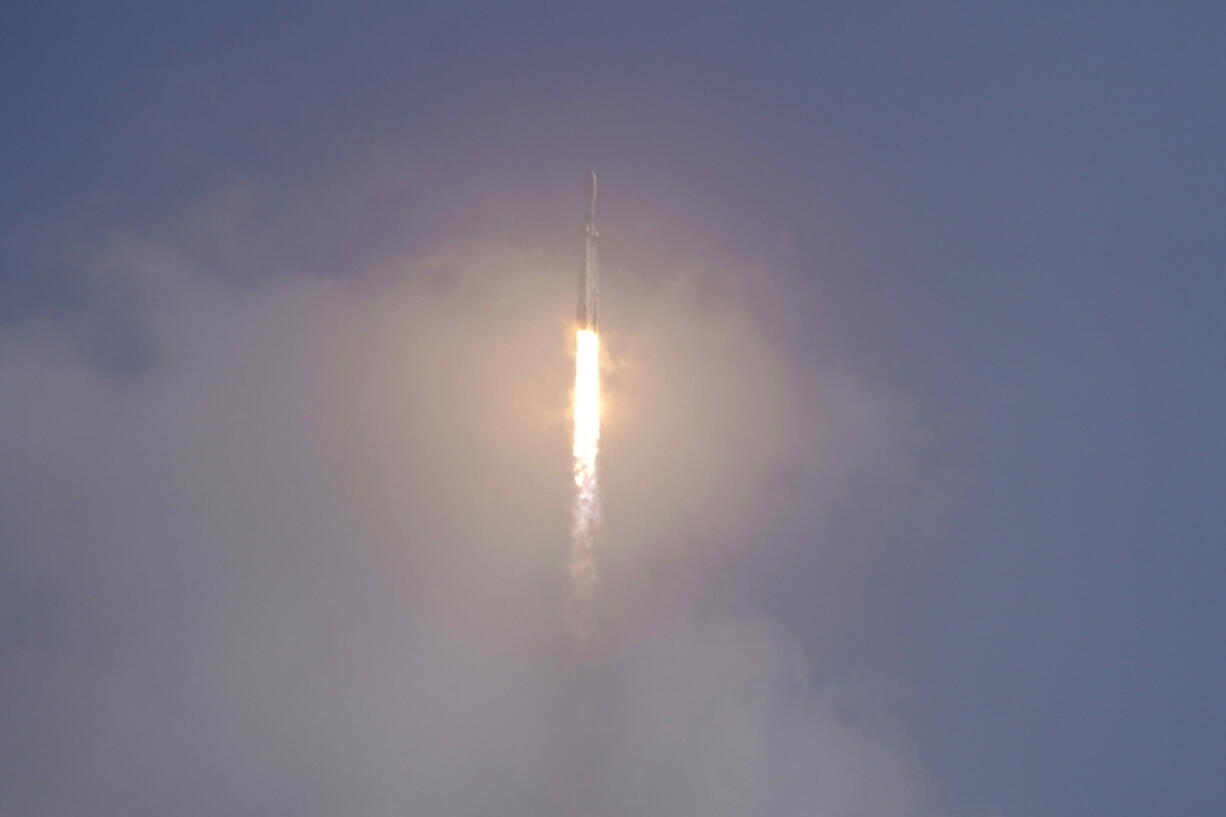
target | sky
x=912, y=460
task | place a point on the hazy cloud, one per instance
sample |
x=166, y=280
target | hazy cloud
x=309, y=561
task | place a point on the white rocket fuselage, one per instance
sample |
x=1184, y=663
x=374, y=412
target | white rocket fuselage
x=589, y=276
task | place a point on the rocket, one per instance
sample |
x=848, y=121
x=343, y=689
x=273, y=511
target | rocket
x=589, y=276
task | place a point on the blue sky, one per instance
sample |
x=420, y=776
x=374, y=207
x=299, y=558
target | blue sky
x=968, y=255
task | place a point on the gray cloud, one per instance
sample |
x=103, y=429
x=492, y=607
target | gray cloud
x=309, y=561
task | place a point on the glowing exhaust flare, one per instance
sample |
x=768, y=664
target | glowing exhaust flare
x=587, y=495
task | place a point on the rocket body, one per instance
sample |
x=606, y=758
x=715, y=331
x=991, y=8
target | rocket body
x=589, y=275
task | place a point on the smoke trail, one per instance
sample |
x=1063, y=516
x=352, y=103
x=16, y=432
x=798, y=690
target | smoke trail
x=587, y=494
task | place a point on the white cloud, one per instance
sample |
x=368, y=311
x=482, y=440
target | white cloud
x=310, y=561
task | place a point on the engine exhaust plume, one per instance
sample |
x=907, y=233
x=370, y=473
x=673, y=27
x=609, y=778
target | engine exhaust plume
x=586, y=442
x=584, y=450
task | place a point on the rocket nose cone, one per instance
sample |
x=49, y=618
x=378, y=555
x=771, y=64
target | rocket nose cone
x=591, y=185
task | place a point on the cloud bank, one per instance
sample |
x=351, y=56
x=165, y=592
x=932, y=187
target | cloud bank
x=309, y=560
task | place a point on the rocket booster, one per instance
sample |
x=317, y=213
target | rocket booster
x=589, y=276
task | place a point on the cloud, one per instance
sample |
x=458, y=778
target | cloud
x=309, y=560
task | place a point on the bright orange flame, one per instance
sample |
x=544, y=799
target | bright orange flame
x=587, y=496
x=587, y=405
